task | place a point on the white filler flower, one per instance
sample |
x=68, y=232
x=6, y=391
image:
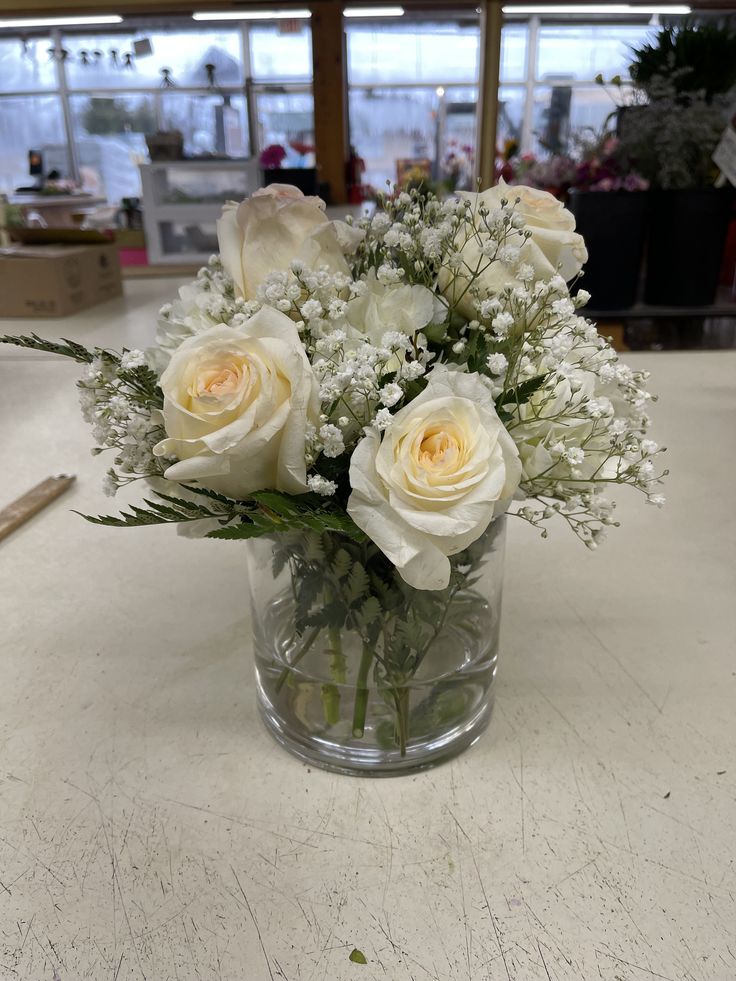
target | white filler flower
x=432, y=485
x=551, y=245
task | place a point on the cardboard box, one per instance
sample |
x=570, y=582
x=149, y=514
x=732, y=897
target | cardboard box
x=56, y=280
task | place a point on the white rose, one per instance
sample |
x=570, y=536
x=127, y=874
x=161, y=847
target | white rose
x=387, y=308
x=556, y=415
x=445, y=466
x=236, y=406
x=275, y=226
x=554, y=245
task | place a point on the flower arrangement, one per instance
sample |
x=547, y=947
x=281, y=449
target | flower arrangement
x=554, y=174
x=302, y=149
x=457, y=165
x=373, y=396
x=606, y=167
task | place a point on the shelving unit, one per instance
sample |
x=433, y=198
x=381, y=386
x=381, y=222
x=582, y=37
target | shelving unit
x=182, y=200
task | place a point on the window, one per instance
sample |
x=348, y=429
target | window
x=210, y=123
x=514, y=41
x=413, y=97
x=581, y=51
x=422, y=52
x=110, y=139
x=388, y=125
x=125, y=86
x=570, y=104
x=281, y=64
x=110, y=61
x=27, y=65
x=30, y=122
x=287, y=118
x=562, y=113
x=511, y=102
x=278, y=55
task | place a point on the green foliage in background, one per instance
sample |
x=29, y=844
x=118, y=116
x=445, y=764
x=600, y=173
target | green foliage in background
x=698, y=57
x=105, y=117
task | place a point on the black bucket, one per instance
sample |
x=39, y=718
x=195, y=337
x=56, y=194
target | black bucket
x=305, y=178
x=687, y=236
x=613, y=224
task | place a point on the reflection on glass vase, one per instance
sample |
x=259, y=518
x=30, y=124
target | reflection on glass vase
x=359, y=673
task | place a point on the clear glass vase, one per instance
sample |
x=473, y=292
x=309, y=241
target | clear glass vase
x=356, y=671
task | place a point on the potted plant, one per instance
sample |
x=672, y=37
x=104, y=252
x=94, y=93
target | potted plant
x=272, y=159
x=697, y=57
x=672, y=140
x=686, y=75
x=610, y=207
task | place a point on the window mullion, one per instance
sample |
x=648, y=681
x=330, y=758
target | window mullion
x=63, y=91
x=532, y=60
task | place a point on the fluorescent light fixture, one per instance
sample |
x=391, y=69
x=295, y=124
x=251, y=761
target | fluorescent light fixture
x=62, y=21
x=373, y=12
x=246, y=14
x=596, y=8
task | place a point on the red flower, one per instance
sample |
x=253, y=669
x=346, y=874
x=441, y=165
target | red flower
x=272, y=157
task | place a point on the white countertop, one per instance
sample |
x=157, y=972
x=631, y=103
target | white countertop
x=150, y=828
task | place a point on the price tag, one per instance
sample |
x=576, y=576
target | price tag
x=725, y=153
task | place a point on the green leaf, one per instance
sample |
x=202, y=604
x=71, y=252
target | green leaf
x=66, y=348
x=239, y=532
x=341, y=563
x=370, y=611
x=357, y=956
x=175, y=510
x=357, y=584
x=280, y=504
x=517, y=396
x=313, y=548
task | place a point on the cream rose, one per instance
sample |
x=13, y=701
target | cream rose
x=387, y=308
x=554, y=246
x=445, y=466
x=275, y=226
x=236, y=407
x=556, y=415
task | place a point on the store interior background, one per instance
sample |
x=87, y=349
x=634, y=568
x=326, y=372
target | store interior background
x=87, y=98
x=413, y=89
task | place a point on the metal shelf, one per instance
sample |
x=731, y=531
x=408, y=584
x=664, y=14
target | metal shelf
x=724, y=306
x=157, y=212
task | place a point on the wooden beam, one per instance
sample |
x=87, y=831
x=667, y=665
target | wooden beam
x=329, y=86
x=491, y=20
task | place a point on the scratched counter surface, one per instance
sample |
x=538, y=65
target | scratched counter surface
x=149, y=827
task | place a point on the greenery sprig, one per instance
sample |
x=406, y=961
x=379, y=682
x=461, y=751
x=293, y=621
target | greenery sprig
x=264, y=513
x=64, y=347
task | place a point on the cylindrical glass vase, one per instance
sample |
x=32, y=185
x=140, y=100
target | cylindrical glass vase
x=356, y=671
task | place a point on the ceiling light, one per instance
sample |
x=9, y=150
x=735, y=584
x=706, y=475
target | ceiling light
x=246, y=14
x=373, y=12
x=62, y=21
x=596, y=8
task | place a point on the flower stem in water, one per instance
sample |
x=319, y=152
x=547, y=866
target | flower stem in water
x=361, y=691
x=401, y=698
x=338, y=663
x=331, y=704
x=297, y=658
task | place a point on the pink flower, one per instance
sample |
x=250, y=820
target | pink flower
x=272, y=157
